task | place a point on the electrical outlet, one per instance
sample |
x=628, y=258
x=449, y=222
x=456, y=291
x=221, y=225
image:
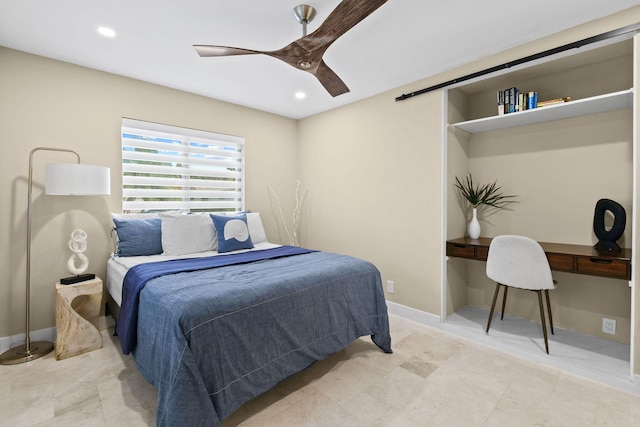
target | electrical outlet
x=390, y=286
x=608, y=326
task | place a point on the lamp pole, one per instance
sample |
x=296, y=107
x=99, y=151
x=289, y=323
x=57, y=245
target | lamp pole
x=30, y=351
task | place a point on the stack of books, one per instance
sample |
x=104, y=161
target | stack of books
x=512, y=100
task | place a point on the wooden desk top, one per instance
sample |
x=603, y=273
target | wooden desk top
x=556, y=248
x=581, y=259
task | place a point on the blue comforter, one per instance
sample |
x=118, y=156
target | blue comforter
x=138, y=276
x=210, y=340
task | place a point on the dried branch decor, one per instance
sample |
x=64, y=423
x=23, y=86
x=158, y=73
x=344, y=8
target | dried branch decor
x=278, y=213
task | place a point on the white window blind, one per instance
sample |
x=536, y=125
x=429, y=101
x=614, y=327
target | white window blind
x=168, y=168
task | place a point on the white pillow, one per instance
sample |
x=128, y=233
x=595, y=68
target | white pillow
x=187, y=234
x=134, y=216
x=256, y=230
x=146, y=215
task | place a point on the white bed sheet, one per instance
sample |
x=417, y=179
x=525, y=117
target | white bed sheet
x=117, y=267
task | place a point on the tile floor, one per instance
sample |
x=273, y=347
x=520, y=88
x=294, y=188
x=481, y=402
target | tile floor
x=601, y=360
x=434, y=378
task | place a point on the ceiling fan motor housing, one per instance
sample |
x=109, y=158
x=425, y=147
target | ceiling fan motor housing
x=304, y=14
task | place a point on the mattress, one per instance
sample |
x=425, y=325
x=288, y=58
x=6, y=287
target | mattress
x=117, y=267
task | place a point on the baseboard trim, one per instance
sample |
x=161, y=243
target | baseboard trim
x=418, y=316
x=47, y=334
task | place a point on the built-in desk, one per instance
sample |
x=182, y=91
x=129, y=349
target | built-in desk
x=570, y=258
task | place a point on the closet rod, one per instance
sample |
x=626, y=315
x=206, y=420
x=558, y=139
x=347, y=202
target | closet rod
x=574, y=45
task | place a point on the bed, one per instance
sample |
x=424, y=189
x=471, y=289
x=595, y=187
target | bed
x=213, y=329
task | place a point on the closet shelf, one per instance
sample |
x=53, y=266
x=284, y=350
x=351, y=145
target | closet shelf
x=580, y=107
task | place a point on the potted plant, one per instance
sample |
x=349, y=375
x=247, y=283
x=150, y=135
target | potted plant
x=477, y=195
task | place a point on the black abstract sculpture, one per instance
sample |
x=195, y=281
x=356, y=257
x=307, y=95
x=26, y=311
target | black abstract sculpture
x=608, y=238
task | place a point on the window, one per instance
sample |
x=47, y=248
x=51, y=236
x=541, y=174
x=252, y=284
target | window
x=168, y=168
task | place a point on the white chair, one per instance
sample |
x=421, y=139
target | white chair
x=520, y=262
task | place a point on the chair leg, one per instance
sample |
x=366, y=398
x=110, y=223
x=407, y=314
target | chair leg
x=546, y=293
x=493, y=306
x=504, y=301
x=544, y=325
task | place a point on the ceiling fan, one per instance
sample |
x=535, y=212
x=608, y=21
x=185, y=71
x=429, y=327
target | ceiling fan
x=306, y=53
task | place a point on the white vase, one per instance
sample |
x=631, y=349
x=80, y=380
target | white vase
x=474, y=226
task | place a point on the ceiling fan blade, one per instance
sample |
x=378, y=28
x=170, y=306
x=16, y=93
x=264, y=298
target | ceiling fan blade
x=208, y=50
x=330, y=80
x=345, y=16
x=306, y=53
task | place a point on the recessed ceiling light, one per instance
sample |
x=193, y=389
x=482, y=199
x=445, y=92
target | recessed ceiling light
x=107, y=32
x=301, y=95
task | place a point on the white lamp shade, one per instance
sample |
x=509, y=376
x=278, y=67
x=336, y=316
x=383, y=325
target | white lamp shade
x=77, y=179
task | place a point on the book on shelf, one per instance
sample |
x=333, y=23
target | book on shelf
x=532, y=100
x=513, y=97
x=553, y=101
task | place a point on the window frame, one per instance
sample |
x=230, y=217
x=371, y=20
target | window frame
x=192, y=165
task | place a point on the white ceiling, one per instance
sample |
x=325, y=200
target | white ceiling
x=402, y=42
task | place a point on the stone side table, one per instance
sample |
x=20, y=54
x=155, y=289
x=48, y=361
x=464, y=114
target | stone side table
x=77, y=311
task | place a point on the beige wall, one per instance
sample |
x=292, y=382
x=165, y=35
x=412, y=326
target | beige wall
x=51, y=103
x=373, y=170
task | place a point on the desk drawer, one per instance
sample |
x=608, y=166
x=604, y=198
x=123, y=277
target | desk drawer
x=460, y=250
x=603, y=267
x=560, y=262
x=482, y=252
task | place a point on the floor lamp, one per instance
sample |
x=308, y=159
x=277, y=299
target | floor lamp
x=71, y=179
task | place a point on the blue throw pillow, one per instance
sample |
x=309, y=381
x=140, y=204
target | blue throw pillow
x=139, y=236
x=232, y=232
